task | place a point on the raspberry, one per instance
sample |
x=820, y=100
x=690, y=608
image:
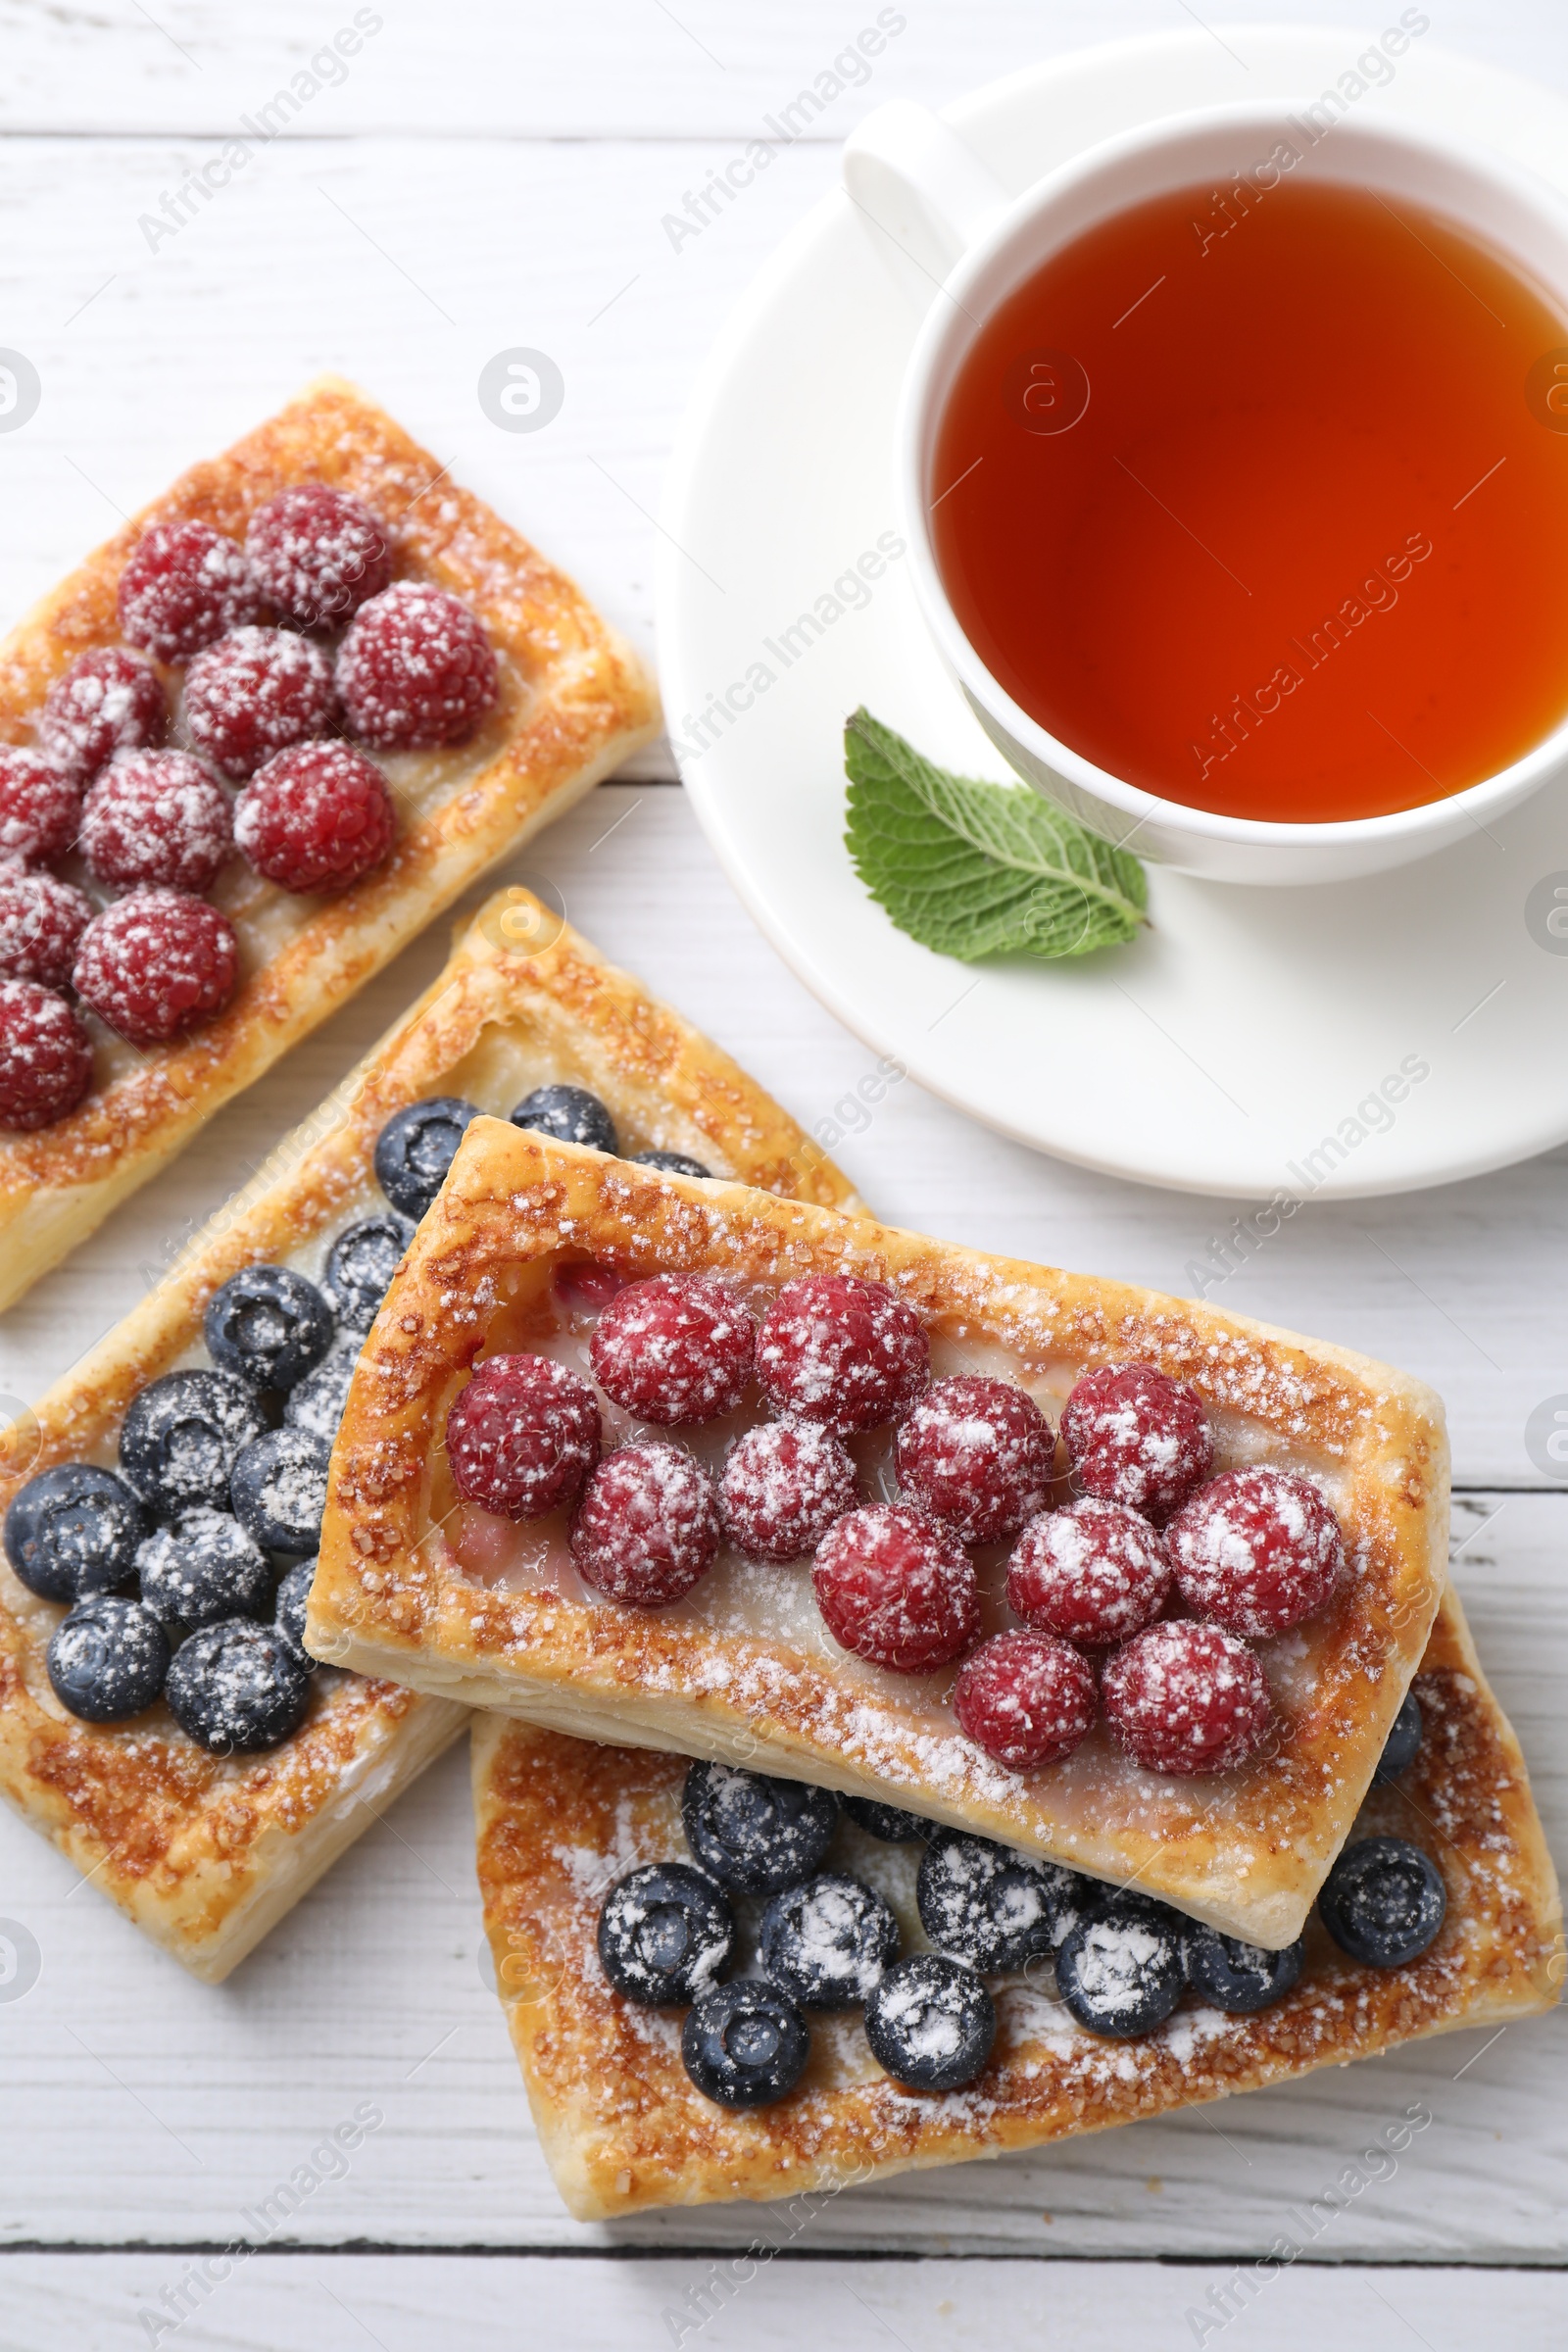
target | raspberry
x=110, y=700
x=1026, y=1700
x=317, y=818
x=45, y=1056
x=1186, y=1697
x=647, y=1528
x=1137, y=1437
x=40, y=809
x=159, y=818
x=846, y=1352
x=522, y=1436
x=41, y=919
x=318, y=554
x=897, y=1588
x=1094, y=1573
x=254, y=693
x=155, y=964
x=415, y=670
x=979, y=1453
x=783, y=1485
x=1257, y=1550
x=674, y=1350
x=582, y=1287
x=184, y=586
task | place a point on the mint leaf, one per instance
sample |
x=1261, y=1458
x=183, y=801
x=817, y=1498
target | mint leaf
x=976, y=869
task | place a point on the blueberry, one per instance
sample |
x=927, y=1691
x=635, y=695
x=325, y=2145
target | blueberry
x=416, y=1147
x=829, y=1942
x=293, y=1592
x=317, y=1403
x=983, y=1903
x=569, y=1113
x=752, y=1832
x=665, y=1934
x=268, y=1325
x=278, y=1489
x=1400, y=1748
x=887, y=1822
x=930, y=2022
x=1236, y=1976
x=1383, y=1901
x=670, y=1163
x=72, y=1530
x=1120, y=1971
x=745, y=2044
x=182, y=1437
x=361, y=1264
x=203, y=1569
x=108, y=1658
x=237, y=1687
x=1070, y=1898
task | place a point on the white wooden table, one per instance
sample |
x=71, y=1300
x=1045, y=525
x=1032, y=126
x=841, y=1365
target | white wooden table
x=481, y=176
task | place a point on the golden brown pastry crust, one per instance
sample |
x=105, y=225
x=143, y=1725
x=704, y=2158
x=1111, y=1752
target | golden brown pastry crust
x=622, y=2128
x=205, y=1854
x=576, y=703
x=1246, y=1850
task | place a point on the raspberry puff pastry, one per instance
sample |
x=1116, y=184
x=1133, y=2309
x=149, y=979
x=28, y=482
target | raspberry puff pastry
x=1245, y=1657
x=152, y=1469
x=433, y=693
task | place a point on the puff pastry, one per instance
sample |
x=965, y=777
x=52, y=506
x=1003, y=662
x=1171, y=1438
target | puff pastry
x=207, y=1854
x=574, y=704
x=624, y=2129
x=740, y=1669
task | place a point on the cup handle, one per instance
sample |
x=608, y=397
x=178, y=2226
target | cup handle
x=927, y=192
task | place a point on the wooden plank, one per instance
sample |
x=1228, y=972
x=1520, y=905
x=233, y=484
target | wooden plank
x=145, y=2107
x=481, y=67
x=315, y=2303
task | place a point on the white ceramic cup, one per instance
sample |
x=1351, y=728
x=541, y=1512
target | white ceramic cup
x=960, y=244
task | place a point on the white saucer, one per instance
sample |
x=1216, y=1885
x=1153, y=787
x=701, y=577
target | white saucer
x=1240, y=1047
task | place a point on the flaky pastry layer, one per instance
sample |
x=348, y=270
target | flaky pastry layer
x=207, y=1853
x=624, y=2129
x=576, y=702
x=1247, y=1850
